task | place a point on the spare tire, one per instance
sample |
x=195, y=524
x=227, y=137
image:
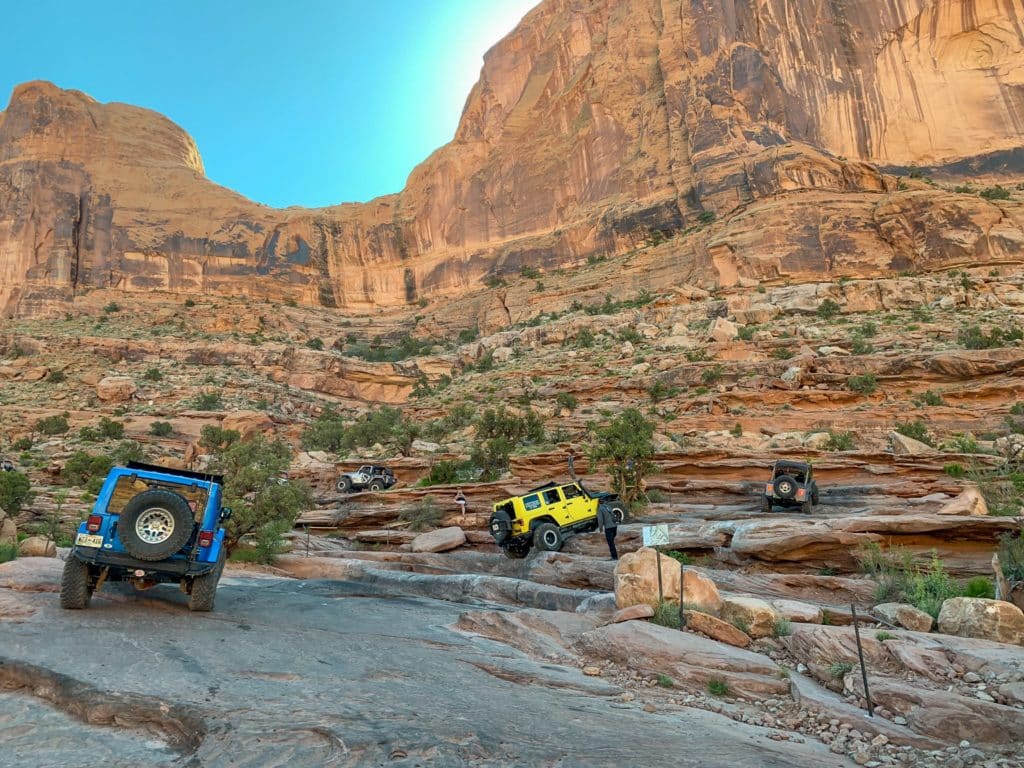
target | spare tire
x=500, y=526
x=785, y=487
x=155, y=524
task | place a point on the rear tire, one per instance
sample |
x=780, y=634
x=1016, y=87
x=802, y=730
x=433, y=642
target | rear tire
x=514, y=552
x=766, y=505
x=75, y=584
x=204, y=588
x=547, y=537
x=376, y=486
x=155, y=524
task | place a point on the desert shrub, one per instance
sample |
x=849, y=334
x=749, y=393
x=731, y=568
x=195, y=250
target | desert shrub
x=928, y=588
x=89, y=435
x=110, y=430
x=782, y=353
x=980, y=586
x=8, y=552
x=127, y=450
x=627, y=444
x=467, y=335
x=861, y=347
x=840, y=441
x=492, y=423
x=189, y=303
x=718, y=687
x=665, y=681
x=491, y=457
x=160, y=428
x=422, y=515
x=112, y=307
x=83, y=466
x=782, y=627
x=915, y=430
x=998, y=192
x=263, y=508
x=632, y=335
x=56, y=377
x=666, y=614
x=585, y=338
x=839, y=669
x=737, y=430
x=15, y=493
x=679, y=557
x=458, y=417
x=961, y=443
x=1011, y=555
x=711, y=376
x=217, y=438
x=315, y=343
x=954, y=470
x=566, y=401
x=53, y=425
x=867, y=329
x=928, y=398
x=697, y=355
x=22, y=444
x=706, y=217
x=660, y=390
x=153, y=374
x=326, y=433
x=746, y=332
x=973, y=337
x=828, y=309
x=881, y=636
x=864, y=384
x=207, y=401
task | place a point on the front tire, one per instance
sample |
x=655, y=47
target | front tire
x=547, y=537
x=345, y=485
x=75, y=584
x=516, y=552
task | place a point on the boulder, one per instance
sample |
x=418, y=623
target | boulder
x=634, y=612
x=8, y=532
x=636, y=578
x=248, y=423
x=502, y=354
x=906, y=616
x=716, y=629
x=817, y=441
x=116, y=389
x=981, y=618
x=756, y=616
x=424, y=446
x=700, y=592
x=37, y=546
x=440, y=540
x=970, y=502
x=901, y=445
x=794, y=610
x=723, y=330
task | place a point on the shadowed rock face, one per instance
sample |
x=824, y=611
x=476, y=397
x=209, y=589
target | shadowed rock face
x=592, y=125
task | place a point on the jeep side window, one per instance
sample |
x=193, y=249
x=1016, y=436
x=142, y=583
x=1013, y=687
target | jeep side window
x=551, y=496
x=531, y=502
x=364, y=470
x=571, y=491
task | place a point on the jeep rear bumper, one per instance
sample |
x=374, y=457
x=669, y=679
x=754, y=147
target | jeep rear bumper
x=161, y=570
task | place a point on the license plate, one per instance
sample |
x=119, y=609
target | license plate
x=88, y=540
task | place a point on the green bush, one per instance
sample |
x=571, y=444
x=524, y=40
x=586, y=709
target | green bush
x=315, y=343
x=746, y=332
x=928, y=398
x=680, y=557
x=867, y=329
x=492, y=423
x=56, y=377
x=15, y=493
x=89, y=435
x=828, y=309
x=864, y=384
x=422, y=516
x=448, y=472
x=718, y=687
x=627, y=444
x=782, y=627
x=217, y=439
x=127, y=450
x=706, y=217
x=585, y=338
x=160, y=428
x=861, y=347
x=189, y=303
x=8, y=552
x=697, y=355
x=979, y=586
x=110, y=430
x=928, y=589
x=1011, y=555
x=153, y=374
x=207, y=401
x=737, y=430
x=839, y=669
x=659, y=391
x=881, y=636
x=711, y=376
x=566, y=401
x=665, y=681
x=112, y=307
x=632, y=335
x=83, y=466
x=782, y=353
x=666, y=614
x=997, y=192
x=915, y=430
x=53, y=425
x=840, y=441
x=954, y=470
x=973, y=337
x=22, y=444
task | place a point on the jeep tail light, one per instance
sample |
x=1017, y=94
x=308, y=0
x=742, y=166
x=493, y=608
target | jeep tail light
x=801, y=494
x=94, y=523
x=205, y=538
x=769, y=489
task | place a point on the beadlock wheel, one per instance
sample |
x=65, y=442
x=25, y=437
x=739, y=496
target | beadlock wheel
x=155, y=525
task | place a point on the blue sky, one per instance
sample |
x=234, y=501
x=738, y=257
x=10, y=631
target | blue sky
x=309, y=102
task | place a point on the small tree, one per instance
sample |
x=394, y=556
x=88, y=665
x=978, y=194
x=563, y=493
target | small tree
x=627, y=444
x=15, y=493
x=262, y=507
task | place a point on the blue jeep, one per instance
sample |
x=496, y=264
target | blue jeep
x=150, y=525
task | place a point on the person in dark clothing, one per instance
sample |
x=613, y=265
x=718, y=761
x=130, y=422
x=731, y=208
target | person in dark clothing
x=571, y=458
x=606, y=522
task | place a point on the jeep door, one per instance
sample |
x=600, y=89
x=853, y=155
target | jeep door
x=578, y=506
x=556, y=506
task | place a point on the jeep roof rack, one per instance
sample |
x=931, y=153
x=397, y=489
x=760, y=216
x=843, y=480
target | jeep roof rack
x=206, y=476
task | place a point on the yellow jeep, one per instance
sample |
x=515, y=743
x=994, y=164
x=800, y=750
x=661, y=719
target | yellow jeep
x=544, y=517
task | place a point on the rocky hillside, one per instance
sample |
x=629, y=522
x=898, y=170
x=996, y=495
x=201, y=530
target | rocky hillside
x=772, y=141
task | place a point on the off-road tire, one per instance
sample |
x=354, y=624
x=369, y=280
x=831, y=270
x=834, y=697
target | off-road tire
x=376, y=486
x=505, y=527
x=547, y=537
x=766, y=505
x=805, y=507
x=516, y=552
x=204, y=588
x=75, y=584
x=345, y=484
x=619, y=511
x=814, y=497
x=145, y=506
x=785, y=487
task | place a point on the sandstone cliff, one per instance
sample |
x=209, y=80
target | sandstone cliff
x=594, y=124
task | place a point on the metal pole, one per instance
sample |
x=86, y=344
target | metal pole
x=307, y=541
x=682, y=593
x=860, y=653
x=661, y=591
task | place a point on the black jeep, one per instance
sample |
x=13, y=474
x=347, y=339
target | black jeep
x=792, y=484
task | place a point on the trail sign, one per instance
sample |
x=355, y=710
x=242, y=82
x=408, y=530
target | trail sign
x=656, y=535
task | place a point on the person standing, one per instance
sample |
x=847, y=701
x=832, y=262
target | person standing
x=460, y=499
x=571, y=458
x=607, y=522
